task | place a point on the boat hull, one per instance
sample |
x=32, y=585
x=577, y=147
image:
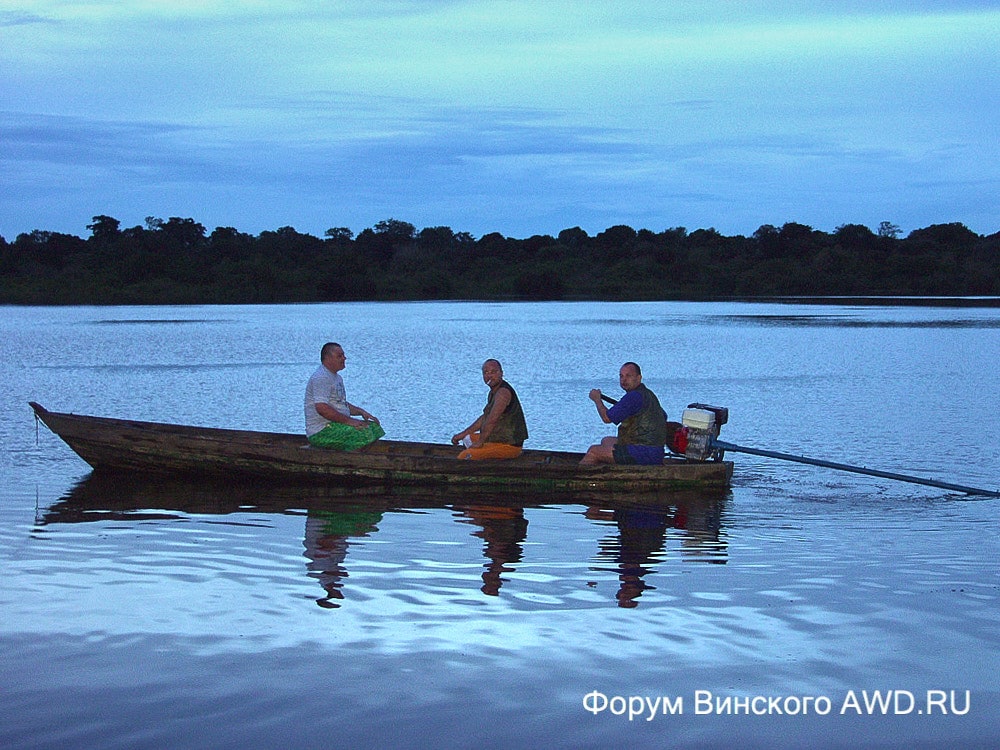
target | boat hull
x=116, y=445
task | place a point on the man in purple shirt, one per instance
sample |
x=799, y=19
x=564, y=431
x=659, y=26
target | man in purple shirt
x=642, y=424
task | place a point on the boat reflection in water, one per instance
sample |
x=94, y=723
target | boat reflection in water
x=337, y=518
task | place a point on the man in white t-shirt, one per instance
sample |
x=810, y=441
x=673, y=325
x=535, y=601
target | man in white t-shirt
x=330, y=417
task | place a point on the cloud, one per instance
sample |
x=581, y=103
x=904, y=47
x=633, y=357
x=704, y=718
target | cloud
x=516, y=117
x=22, y=18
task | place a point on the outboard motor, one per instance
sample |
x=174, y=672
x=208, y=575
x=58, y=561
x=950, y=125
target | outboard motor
x=701, y=424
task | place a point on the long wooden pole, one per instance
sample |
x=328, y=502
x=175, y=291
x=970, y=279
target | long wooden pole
x=722, y=445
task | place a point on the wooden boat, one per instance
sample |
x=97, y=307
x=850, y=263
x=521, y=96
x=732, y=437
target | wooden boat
x=117, y=445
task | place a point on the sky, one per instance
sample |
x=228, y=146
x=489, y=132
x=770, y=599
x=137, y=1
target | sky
x=502, y=116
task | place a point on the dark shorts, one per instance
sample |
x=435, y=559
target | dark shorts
x=622, y=456
x=646, y=455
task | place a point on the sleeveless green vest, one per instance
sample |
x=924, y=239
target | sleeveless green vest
x=646, y=427
x=511, y=428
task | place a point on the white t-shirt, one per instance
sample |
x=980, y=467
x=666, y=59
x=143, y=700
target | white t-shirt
x=324, y=387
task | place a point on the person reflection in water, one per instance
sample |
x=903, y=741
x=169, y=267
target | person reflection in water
x=641, y=540
x=641, y=536
x=326, y=543
x=503, y=529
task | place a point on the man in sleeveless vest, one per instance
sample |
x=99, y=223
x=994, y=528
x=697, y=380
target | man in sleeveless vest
x=500, y=430
x=642, y=424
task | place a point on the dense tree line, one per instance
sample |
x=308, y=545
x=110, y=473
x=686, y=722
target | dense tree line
x=178, y=261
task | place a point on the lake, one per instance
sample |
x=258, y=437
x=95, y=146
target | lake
x=806, y=607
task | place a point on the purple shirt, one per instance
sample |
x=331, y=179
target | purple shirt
x=628, y=406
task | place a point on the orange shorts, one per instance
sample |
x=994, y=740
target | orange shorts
x=491, y=450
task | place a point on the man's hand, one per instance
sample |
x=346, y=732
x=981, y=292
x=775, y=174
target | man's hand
x=367, y=416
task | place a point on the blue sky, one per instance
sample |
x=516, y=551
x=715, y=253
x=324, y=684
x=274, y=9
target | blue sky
x=517, y=117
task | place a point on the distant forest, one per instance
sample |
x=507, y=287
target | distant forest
x=178, y=261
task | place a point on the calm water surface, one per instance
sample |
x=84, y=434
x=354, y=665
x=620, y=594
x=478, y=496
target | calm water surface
x=150, y=614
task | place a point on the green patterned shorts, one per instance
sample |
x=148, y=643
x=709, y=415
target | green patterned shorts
x=343, y=437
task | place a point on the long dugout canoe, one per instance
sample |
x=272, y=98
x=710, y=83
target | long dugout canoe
x=119, y=445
